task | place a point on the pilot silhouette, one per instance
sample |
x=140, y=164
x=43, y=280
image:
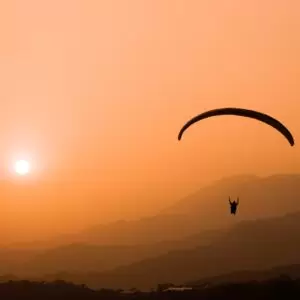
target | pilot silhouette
x=233, y=206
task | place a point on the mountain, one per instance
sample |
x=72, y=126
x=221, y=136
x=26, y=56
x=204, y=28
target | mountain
x=85, y=258
x=184, y=226
x=148, y=230
x=249, y=245
x=259, y=197
x=12, y=259
x=204, y=210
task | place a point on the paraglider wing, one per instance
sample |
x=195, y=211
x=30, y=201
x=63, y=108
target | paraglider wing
x=243, y=113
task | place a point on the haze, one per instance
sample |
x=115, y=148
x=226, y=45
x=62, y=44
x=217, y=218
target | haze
x=95, y=92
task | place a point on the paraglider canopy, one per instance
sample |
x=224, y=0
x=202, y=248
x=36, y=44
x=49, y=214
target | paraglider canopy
x=243, y=113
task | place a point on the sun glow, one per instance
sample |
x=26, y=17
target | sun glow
x=22, y=167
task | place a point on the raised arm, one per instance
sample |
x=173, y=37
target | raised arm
x=238, y=201
x=229, y=200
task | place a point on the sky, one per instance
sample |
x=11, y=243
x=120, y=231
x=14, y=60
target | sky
x=94, y=94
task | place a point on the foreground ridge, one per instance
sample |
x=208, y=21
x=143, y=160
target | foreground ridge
x=282, y=287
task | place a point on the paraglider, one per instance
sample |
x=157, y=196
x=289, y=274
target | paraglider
x=243, y=113
x=233, y=206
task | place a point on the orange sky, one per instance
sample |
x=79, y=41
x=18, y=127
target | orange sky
x=96, y=92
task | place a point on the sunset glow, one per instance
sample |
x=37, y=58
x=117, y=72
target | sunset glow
x=22, y=167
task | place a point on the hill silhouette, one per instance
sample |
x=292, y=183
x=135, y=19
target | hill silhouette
x=249, y=245
x=204, y=210
x=82, y=257
x=260, y=197
x=106, y=247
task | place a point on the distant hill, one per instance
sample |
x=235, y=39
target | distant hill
x=12, y=259
x=250, y=245
x=91, y=258
x=259, y=197
x=204, y=210
x=196, y=221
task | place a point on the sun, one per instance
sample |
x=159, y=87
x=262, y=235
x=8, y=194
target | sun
x=22, y=167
